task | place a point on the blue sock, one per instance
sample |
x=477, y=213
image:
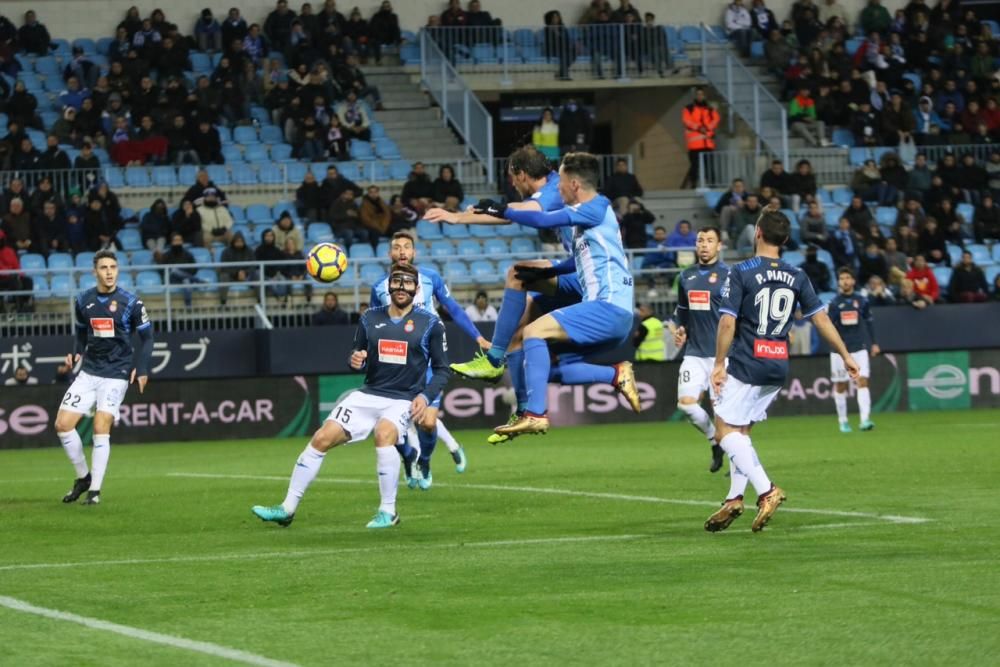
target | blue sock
x=511, y=310
x=536, y=372
x=515, y=364
x=583, y=373
x=428, y=440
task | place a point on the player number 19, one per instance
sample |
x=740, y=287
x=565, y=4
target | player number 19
x=776, y=305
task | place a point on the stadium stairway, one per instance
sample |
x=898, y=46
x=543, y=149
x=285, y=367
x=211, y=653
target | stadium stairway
x=410, y=119
x=671, y=206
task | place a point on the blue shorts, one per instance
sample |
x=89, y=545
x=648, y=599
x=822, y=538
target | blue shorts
x=595, y=326
x=568, y=292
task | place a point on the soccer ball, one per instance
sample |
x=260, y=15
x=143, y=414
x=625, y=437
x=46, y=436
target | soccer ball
x=326, y=262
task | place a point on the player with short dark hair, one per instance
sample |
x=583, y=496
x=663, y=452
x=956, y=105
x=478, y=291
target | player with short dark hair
x=402, y=250
x=394, y=345
x=694, y=325
x=106, y=317
x=759, y=301
x=852, y=316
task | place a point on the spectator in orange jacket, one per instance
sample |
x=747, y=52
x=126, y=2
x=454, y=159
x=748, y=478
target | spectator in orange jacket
x=700, y=122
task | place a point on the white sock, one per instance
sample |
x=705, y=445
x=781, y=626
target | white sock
x=744, y=457
x=698, y=418
x=865, y=403
x=840, y=400
x=99, y=460
x=737, y=482
x=304, y=472
x=74, y=450
x=445, y=436
x=387, y=465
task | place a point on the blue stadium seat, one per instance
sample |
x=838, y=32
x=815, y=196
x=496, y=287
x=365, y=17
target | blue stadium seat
x=966, y=211
x=858, y=156
x=456, y=231
x=833, y=215
x=360, y=251
x=377, y=130
x=149, y=282
x=187, y=174
x=980, y=254
x=244, y=134
x=261, y=115
x=757, y=50
x=442, y=248
x=372, y=273
x=886, y=215
x=238, y=213
x=520, y=246
x=40, y=287
x=48, y=118
x=142, y=258
x=125, y=280
x=400, y=170
x=494, y=247
x=165, y=177
x=60, y=260
x=130, y=239
x=319, y=232
x=387, y=149
x=282, y=207
x=484, y=54
x=457, y=272
x=209, y=279
x=383, y=249
x=943, y=275
x=87, y=281
x=218, y=173
x=992, y=272
x=409, y=54
x=62, y=286
x=690, y=34
x=296, y=172
x=843, y=137
x=271, y=134
x=509, y=231
x=483, y=271
x=255, y=153
x=470, y=249
x=842, y=196
x=84, y=260
x=793, y=257
x=996, y=252
x=481, y=231
x=244, y=174
x=201, y=255
x=225, y=134
x=825, y=257
x=232, y=153
x=349, y=170
x=48, y=66
x=259, y=213
x=32, y=261
x=954, y=253
x=361, y=150
x=269, y=173
x=379, y=171
x=712, y=198
x=123, y=259
x=428, y=231
x=281, y=152
x=88, y=45
x=104, y=45
x=852, y=45
x=523, y=37
x=200, y=62
x=826, y=297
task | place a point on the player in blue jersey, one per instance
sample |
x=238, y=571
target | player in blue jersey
x=602, y=321
x=394, y=345
x=106, y=318
x=694, y=324
x=431, y=286
x=852, y=315
x=759, y=300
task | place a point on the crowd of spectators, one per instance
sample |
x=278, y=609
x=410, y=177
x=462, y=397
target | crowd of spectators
x=146, y=106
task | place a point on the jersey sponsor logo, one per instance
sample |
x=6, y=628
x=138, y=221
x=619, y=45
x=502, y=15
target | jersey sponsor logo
x=849, y=318
x=700, y=299
x=393, y=351
x=770, y=349
x=408, y=327
x=103, y=327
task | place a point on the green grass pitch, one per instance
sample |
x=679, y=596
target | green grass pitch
x=894, y=563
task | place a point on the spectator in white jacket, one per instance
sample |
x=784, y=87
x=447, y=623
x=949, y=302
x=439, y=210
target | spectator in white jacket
x=739, y=26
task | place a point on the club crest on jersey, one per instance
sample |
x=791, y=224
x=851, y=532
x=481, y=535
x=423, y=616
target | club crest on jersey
x=408, y=327
x=113, y=307
x=713, y=278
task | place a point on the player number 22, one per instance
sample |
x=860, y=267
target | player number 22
x=776, y=305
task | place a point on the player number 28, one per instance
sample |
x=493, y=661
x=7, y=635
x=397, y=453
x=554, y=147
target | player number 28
x=343, y=414
x=774, y=305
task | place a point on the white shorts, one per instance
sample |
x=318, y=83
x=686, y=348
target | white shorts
x=360, y=412
x=88, y=391
x=742, y=404
x=695, y=377
x=838, y=373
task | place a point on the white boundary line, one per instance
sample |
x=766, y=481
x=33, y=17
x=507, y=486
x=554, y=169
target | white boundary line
x=888, y=518
x=207, y=648
x=572, y=539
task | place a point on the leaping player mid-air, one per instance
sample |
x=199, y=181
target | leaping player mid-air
x=759, y=299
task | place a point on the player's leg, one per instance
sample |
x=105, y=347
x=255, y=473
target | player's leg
x=572, y=369
x=427, y=432
x=409, y=452
x=394, y=420
x=864, y=393
x=456, y=450
x=515, y=362
x=109, y=395
x=66, y=422
x=352, y=419
x=732, y=506
x=839, y=380
x=692, y=382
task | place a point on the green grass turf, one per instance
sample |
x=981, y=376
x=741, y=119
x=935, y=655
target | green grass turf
x=430, y=591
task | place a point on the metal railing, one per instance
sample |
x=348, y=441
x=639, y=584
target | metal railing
x=277, y=297
x=459, y=105
x=745, y=94
x=617, y=50
x=831, y=166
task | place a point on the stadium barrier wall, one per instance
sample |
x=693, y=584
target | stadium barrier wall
x=224, y=409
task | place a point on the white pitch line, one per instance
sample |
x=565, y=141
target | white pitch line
x=890, y=518
x=570, y=539
x=207, y=648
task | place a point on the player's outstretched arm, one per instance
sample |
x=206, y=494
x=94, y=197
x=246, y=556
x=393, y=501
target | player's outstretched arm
x=824, y=326
x=463, y=218
x=723, y=341
x=543, y=220
x=458, y=314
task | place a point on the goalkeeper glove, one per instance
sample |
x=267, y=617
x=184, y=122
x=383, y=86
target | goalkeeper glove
x=490, y=207
x=531, y=274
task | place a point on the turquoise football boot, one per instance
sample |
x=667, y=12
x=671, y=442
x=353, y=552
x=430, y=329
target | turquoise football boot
x=384, y=520
x=458, y=457
x=867, y=425
x=277, y=514
x=845, y=427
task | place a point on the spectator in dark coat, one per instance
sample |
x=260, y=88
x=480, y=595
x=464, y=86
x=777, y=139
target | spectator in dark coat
x=17, y=226
x=330, y=313
x=968, y=282
x=859, y=216
x=418, y=191
x=844, y=245
x=633, y=225
x=33, y=36
x=234, y=27
x=384, y=29
x=575, y=128
x=332, y=187
x=622, y=186
x=51, y=226
x=207, y=144
x=813, y=227
x=447, y=189
x=186, y=221
x=177, y=254
x=986, y=220
x=208, y=32
x=872, y=263
x=309, y=198
x=197, y=191
x=932, y=244
x=817, y=272
x=278, y=26
x=155, y=227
